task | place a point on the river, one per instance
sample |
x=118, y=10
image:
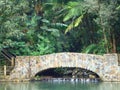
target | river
x=59, y=86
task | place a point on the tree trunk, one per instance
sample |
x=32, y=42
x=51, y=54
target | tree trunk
x=106, y=41
x=113, y=43
x=103, y=28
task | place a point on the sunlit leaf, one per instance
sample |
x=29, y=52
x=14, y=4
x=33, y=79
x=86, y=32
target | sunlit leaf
x=75, y=23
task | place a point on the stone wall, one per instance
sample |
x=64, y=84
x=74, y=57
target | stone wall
x=105, y=66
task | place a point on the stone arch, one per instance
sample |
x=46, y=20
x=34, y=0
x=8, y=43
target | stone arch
x=105, y=66
x=78, y=60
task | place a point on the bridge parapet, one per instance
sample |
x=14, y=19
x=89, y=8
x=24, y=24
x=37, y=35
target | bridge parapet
x=105, y=66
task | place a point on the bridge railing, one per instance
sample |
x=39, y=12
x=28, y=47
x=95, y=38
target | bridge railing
x=9, y=56
x=5, y=70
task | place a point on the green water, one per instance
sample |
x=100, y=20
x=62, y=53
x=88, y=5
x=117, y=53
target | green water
x=60, y=86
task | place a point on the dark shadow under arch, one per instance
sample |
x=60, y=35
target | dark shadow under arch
x=67, y=72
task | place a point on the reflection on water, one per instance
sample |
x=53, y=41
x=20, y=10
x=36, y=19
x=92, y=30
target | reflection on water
x=60, y=86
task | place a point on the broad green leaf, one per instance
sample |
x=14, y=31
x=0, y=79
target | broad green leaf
x=74, y=23
x=73, y=9
x=78, y=20
x=45, y=21
x=89, y=48
x=70, y=26
x=56, y=33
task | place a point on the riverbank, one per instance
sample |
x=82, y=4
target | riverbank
x=15, y=80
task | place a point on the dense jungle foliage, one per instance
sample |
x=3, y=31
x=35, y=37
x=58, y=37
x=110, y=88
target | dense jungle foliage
x=37, y=27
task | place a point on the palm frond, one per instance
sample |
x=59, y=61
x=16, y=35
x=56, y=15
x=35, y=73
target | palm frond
x=74, y=23
x=74, y=9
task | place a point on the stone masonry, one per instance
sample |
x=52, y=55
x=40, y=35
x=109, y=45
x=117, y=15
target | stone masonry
x=106, y=66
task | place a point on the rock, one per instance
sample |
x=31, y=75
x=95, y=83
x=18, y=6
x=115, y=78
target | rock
x=92, y=76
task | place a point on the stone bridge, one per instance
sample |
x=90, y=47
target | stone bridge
x=106, y=66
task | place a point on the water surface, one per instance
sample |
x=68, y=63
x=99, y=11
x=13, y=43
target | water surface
x=60, y=86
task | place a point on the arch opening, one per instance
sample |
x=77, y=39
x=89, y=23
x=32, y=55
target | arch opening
x=67, y=72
